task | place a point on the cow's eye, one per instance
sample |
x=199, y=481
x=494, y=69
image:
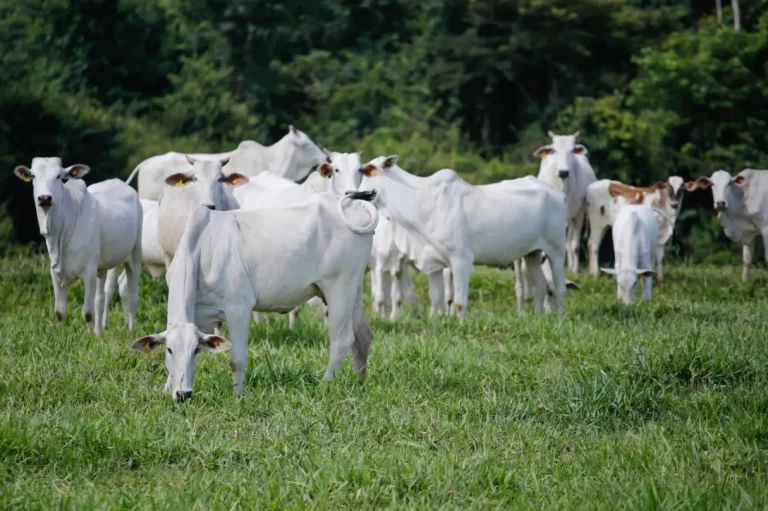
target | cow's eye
x=197, y=350
x=58, y=177
x=336, y=170
x=170, y=352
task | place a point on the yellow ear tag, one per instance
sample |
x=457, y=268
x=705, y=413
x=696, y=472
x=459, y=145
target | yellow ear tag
x=179, y=184
x=26, y=178
x=73, y=172
x=235, y=181
x=147, y=349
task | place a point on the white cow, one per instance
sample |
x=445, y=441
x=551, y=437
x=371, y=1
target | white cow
x=292, y=157
x=88, y=231
x=200, y=183
x=741, y=203
x=460, y=224
x=606, y=197
x=151, y=251
x=269, y=259
x=635, y=231
x=390, y=280
x=565, y=166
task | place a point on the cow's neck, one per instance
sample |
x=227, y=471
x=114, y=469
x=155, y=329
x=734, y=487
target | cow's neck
x=281, y=156
x=400, y=196
x=60, y=222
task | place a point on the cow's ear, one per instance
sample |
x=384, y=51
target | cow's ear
x=179, y=179
x=543, y=151
x=703, y=182
x=215, y=344
x=691, y=186
x=609, y=271
x=369, y=170
x=190, y=160
x=739, y=180
x=292, y=130
x=390, y=161
x=76, y=171
x=23, y=173
x=580, y=149
x=235, y=179
x=148, y=343
x=325, y=170
x=645, y=273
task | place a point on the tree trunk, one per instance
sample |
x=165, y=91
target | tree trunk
x=736, y=15
x=719, y=11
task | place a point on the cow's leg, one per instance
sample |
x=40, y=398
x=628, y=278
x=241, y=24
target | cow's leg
x=575, y=228
x=406, y=285
x=256, y=317
x=396, y=297
x=100, y=303
x=436, y=293
x=111, y=284
x=292, y=315
x=378, y=291
x=59, y=297
x=660, y=261
x=363, y=338
x=90, y=283
x=556, y=261
x=596, y=234
x=533, y=268
x=647, y=287
x=129, y=292
x=448, y=288
x=748, y=251
x=462, y=272
x=238, y=322
x=341, y=312
x=519, y=285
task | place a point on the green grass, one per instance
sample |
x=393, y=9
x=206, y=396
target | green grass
x=661, y=405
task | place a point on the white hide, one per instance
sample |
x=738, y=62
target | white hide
x=88, y=232
x=565, y=166
x=635, y=231
x=458, y=224
x=741, y=203
x=151, y=251
x=602, y=208
x=201, y=183
x=292, y=157
x=269, y=259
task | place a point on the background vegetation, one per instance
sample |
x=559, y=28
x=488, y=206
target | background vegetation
x=657, y=87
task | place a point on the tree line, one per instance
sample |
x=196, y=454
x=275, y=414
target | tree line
x=656, y=87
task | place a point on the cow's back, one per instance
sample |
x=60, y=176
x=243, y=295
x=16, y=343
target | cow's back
x=756, y=195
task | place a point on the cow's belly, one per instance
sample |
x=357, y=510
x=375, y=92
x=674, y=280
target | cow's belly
x=505, y=247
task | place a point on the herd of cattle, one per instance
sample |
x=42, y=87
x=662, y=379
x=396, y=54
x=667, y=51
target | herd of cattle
x=257, y=230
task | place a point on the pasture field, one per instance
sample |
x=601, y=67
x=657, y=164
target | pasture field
x=660, y=405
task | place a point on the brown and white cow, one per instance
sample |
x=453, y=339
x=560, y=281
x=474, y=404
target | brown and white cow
x=605, y=198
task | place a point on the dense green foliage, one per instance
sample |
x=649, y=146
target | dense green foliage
x=663, y=405
x=656, y=87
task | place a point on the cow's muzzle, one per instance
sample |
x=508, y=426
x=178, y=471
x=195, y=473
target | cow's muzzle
x=44, y=201
x=563, y=174
x=182, y=395
x=720, y=206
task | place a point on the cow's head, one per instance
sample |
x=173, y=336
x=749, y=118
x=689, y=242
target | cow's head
x=48, y=178
x=208, y=180
x=626, y=281
x=675, y=186
x=183, y=342
x=344, y=170
x=558, y=159
x=726, y=190
x=302, y=155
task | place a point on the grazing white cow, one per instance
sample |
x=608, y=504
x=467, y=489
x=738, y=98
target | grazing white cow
x=606, y=197
x=390, y=281
x=88, y=231
x=269, y=259
x=741, y=203
x=635, y=231
x=459, y=224
x=292, y=157
x=201, y=183
x=565, y=166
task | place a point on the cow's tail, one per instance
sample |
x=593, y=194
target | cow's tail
x=365, y=199
x=135, y=171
